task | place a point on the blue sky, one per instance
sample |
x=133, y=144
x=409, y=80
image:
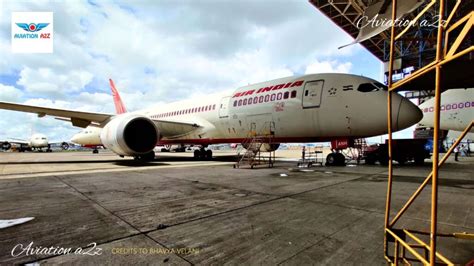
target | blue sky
x=162, y=51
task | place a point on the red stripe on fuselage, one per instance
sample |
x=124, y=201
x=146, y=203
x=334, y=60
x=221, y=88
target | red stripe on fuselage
x=240, y=140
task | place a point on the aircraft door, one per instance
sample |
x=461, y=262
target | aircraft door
x=224, y=107
x=312, y=93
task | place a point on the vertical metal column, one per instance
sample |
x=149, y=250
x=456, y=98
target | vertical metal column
x=437, y=103
x=389, y=122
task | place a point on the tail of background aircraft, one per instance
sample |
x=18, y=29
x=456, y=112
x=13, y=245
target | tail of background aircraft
x=119, y=106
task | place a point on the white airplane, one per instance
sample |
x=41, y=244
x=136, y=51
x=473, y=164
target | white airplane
x=36, y=142
x=308, y=108
x=457, y=110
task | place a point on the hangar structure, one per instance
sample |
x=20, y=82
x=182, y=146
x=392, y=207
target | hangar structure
x=423, y=62
x=415, y=49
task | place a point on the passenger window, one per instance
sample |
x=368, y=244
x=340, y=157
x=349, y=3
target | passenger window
x=235, y=103
x=250, y=101
x=260, y=100
x=306, y=93
x=273, y=97
x=245, y=102
x=286, y=95
x=267, y=98
x=293, y=94
x=240, y=102
x=255, y=99
x=279, y=95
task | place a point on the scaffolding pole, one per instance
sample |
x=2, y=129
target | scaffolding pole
x=443, y=55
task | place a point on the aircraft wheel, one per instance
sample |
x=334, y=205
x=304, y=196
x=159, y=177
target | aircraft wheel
x=419, y=160
x=6, y=146
x=383, y=161
x=145, y=157
x=402, y=161
x=331, y=159
x=95, y=151
x=340, y=159
x=370, y=159
x=197, y=154
x=208, y=154
x=49, y=150
x=149, y=156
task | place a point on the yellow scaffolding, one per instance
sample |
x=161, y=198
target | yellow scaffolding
x=444, y=55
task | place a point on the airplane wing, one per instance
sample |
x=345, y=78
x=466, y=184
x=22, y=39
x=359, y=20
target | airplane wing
x=83, y=119
x=14, y=141
x=78, y=118
x=173, y=129
x=8, y=143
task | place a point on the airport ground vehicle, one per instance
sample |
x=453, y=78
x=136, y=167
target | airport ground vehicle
x=404, y=150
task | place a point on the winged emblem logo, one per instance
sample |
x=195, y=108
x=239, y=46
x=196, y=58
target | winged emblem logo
x=32, y=27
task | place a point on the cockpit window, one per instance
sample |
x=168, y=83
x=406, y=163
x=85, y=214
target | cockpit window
x=381, y=86
x=369, y=87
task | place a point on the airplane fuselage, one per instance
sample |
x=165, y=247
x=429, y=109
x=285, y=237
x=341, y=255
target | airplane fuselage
x=456, y=110
x=38, y=141
x=308, y=108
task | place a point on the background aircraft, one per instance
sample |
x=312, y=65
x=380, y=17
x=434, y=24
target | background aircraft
x=457, y=110
x=308, y=108
x=35, y=142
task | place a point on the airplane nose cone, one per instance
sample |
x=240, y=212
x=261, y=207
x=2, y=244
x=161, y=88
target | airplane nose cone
x=74, y=139
x=408, y=114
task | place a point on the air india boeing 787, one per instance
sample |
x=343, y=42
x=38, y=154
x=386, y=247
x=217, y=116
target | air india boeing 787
x=308, y=108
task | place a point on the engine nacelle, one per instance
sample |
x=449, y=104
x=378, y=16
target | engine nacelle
x=6, y=146
x=266, y=147
x=130, y=135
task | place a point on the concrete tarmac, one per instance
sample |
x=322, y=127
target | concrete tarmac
x=176, y=210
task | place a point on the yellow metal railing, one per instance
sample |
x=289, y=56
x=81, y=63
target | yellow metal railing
x=444, y=55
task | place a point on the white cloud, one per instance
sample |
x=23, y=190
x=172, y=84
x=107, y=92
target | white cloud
x=48, y=81
x=10, y=93
x=328, y=67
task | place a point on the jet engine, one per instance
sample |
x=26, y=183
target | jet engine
x=130, y=135
x=6, y=146
x=265, y=147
